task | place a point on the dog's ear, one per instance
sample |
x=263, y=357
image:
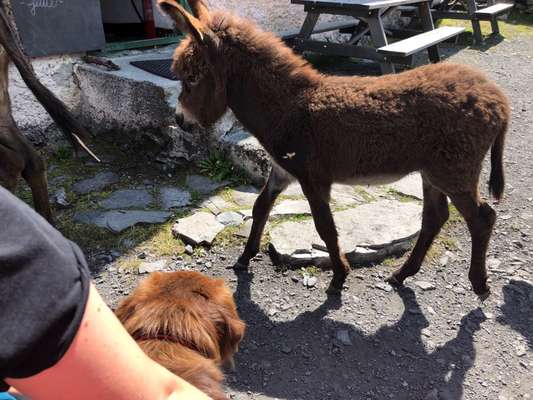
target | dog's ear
x=233, y=329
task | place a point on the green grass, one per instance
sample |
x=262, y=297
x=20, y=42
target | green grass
x=220, y=168
x=518, y=24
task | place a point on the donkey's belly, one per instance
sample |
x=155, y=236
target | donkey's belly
x=378, y=179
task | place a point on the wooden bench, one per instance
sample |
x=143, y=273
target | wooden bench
x=422, y=41
x=473, y=14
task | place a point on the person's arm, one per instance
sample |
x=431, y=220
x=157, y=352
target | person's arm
x=104, y=362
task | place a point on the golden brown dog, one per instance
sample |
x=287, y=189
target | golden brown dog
x=186, y=322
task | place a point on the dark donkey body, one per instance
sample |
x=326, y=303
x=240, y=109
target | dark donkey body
x=439, y=120
x=17, y=155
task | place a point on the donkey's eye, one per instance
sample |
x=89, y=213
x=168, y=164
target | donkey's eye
x=193, y=80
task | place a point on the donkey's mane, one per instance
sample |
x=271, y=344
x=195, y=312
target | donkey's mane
x=264, y=47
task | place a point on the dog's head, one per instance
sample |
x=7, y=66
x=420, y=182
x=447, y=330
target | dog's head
x=188, y=307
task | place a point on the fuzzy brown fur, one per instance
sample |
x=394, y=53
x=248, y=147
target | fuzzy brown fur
x=439, y=120
x=186, y=322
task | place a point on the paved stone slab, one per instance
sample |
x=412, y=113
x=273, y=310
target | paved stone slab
x=174, y=197
x=367, y=233
x=216, y=204
x=148, y=267
x=410, y=185
x=127, y=198
x=200, y=228
x=244, y=196
x=245, y=229
x=346, y=196
x=203, y=185
x=294, y=189
x=291, y=207
x=118, y=220
x=96, y=183
x=230, y=218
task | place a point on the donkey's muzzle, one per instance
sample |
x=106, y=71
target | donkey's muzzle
x=183, y=123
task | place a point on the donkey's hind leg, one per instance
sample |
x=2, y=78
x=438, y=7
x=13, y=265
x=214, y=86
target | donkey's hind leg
x=325, y=225
x=11, y=166
x=480, y=218
x=35, y=175
x=434, y=215
x=277, y=182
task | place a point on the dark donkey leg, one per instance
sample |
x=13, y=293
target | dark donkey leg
x=325, y=225
x=434, y=215
x=35, y=175
x=277, y=182
x=480, y=218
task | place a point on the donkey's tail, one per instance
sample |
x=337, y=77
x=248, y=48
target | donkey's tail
x=71, y=128
x=497, y=176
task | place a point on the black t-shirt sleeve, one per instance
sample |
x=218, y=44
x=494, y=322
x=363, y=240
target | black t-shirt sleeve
x=44, y=286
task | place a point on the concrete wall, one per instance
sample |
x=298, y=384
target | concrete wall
x=56, y=74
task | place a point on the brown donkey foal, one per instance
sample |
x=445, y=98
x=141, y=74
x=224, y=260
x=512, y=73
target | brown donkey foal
x=439, y=120
x=17, y=155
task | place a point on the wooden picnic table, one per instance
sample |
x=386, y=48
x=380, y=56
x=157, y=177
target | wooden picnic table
x=368, y=18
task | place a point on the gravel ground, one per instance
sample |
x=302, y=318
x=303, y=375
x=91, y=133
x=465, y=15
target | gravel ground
x=432, y=339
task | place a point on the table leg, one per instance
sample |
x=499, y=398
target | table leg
x=379, y=39
x=427, y=25
x=476, y=26
x=309, y=24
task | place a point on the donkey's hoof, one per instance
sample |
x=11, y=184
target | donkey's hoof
x=394, y=281
x=238, y=266
x=484, y=296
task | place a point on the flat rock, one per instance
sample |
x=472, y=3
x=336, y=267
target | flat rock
x=410, y=185
x=127, y=198
x=60, y=198
x=291, y=207
x=95, y=184
x=343, y=336
x=216, y=204
x=294, y=190
x=200, y=228
x=174, y=197
x=425, y=285
x=230, y=218
x=118, y=220
x=245, y=229
x=367, y=233
x=244, y=196
x=148, y=267
x=346, y=196
x=203, y=185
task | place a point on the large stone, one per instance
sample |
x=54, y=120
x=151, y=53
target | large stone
x=367, y=233
x=216, y=204
x=149, y=267
x=127, y=198
x=118, y=220
x=200, y=228
x=230, y=218
x=203, y=185
x=291, y=207
x=95, y=184
x=174, y=197
x=410, y=185
x=244, y=196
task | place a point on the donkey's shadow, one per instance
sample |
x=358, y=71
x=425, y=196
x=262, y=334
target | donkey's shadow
x=301, y=359
x=516, y=309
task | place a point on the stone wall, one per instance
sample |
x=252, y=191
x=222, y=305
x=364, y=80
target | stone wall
x=56, y=74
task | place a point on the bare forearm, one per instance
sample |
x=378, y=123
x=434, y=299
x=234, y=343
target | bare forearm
x=104, y=362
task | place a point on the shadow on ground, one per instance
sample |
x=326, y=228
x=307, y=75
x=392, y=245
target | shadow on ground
x=517, y=309
x=302, y=359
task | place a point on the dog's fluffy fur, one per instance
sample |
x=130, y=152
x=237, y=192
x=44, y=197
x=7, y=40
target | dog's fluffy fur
x=186, y=322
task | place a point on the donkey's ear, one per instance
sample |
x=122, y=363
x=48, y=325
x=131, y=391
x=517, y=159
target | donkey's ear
x=185, y=22
x=199, y=9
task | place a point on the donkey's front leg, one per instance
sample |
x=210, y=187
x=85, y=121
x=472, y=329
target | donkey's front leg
x=277, y=182
x=325, y=226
